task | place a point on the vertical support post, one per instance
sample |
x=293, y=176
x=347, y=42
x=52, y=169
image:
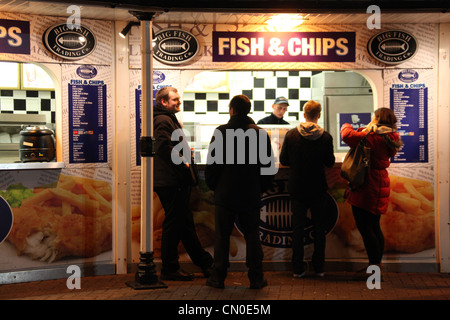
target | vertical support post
x=146, y=276
x=146, y=131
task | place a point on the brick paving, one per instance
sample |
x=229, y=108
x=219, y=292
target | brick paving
x=334, y=286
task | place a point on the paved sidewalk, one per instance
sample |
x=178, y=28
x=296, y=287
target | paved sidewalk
x=334, y=286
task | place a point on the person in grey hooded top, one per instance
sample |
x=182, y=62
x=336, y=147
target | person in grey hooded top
x=307, y=149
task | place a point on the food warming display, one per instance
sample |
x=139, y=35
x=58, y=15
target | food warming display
x=37, y=144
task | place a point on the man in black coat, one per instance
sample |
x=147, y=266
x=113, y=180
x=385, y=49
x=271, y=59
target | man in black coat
x=308, y=149
x=240, y=167
x=172, y=182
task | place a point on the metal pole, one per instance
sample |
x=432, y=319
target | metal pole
x=147, y=131
x=146, y=276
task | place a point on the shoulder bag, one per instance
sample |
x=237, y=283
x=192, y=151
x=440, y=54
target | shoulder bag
x=356, y=164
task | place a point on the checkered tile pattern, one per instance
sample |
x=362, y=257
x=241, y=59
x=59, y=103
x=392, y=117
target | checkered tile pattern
x=28, y=102
x=261, y=87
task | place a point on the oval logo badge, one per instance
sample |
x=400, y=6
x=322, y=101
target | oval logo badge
x=69, y=44
x=276, y=223
x=158, y=77
x=86, y=71
x=392, y=47
x=408, y=75
x=174, y=46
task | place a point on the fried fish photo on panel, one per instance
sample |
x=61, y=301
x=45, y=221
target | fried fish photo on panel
x=32, y=233
x=44, y=236
x=409, y=223
x=73, y=219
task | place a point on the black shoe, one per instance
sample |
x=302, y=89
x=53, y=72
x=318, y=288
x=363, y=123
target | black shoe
x=212, y=282
x=207, y=271
x=178, y=275
x=258, y=284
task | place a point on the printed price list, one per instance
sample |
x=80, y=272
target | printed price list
x=411, y=108
x=87, y=123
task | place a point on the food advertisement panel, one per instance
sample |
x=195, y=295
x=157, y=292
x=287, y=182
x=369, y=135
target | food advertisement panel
x=408, y=225
x=59, y=217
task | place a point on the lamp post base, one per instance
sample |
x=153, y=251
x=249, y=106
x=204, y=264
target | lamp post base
x=146, y=277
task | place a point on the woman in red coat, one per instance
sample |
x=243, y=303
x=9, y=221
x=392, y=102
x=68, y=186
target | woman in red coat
x=371, y=200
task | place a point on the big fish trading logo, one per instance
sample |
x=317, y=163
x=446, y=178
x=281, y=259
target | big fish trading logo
x=392, y=47
x=69, y=44
x=276, y=225
x=174, y=46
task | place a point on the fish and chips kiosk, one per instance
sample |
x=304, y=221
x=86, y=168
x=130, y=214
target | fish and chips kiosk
x=71, y=193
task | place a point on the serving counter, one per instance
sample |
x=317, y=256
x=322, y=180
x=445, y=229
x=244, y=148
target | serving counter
x=31, y=166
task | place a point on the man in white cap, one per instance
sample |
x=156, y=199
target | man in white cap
x=279, y=109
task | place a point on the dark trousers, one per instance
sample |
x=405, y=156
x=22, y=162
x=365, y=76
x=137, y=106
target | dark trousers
x=316, y=205
x=368, y=225
x=224, y=223
x=179, y=226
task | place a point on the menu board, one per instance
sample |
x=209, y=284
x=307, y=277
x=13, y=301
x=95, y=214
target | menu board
x=410, y=105
x=87, y=122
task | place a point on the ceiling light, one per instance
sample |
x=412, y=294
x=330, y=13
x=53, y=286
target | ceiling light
x=285, y=22
x=125, y=30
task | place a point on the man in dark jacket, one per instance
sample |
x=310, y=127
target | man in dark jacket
x=172, y=183
x=240, y=167
x=308, y=149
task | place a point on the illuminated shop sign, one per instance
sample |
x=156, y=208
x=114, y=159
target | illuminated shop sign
x=14, y=36
x=392, y=47
x=69, y=44
x=283, y=46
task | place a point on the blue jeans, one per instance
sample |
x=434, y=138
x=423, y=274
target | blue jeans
x=316, y=205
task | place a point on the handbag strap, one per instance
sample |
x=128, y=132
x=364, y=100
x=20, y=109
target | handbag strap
x=363, y=144
x=363, y=140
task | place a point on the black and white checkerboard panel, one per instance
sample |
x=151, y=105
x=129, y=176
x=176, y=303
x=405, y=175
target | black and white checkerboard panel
x=261, y=87
x=28, y=102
